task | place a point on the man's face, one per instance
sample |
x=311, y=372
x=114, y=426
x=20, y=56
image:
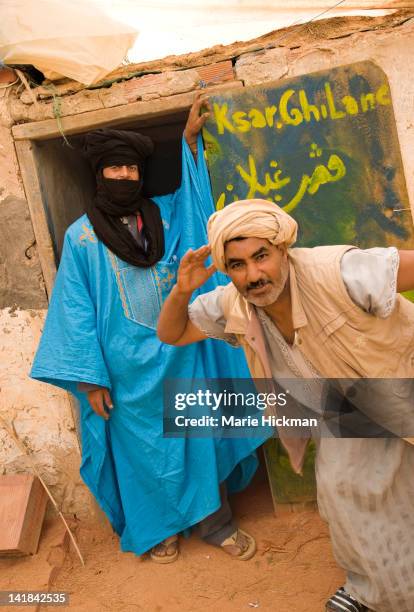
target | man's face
x=259, y=270
x=129, y=173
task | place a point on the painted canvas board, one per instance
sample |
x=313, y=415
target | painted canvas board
x=323, y=146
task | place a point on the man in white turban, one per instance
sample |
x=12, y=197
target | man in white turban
x=249, y=219
x=331, y=312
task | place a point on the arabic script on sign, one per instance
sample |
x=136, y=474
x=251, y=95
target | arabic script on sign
x=273, y=183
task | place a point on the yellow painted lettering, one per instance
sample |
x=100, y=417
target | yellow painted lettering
x=258, y=119
x=336, y=163
x=383, y=95
x=351, y=105
x=242, y=124
x=304, y=183
x=321, y=175
x=220, y=115
x=308, y=109
x=221, y=202
x=367, y=102
x=292, y=117
x=334, y=113
x=270, y=112
x=250, y=177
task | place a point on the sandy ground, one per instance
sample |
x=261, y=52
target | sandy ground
x=293, y=569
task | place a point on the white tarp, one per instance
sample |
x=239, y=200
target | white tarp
x=71, y=37
x=182, y=26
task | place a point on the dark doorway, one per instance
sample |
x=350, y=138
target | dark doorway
x=67, y=181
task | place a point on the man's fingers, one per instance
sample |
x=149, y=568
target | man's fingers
x=211, y=269
x=200, y=97
x=200, y=101
x=96, y=400
x=201, y=257
x=195, y=108
x=202, y=252
x=202, y=120
x=107, y=398
x=98, y=407
x=191, y=255
x=206, y=106
x=203, y=249
x=188, y=258
x=196, y=118
x=193, y=260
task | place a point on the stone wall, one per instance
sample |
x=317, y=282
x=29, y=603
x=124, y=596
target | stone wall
x=41, y=414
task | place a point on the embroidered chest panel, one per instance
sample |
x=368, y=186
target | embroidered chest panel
x=143, y=290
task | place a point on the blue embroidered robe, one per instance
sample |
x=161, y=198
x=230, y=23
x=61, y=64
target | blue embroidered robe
x=101, y=329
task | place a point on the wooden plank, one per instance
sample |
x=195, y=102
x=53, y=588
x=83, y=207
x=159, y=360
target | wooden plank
x=117, y=115
x=27, y=163
x=23, y=503
x=288, y=488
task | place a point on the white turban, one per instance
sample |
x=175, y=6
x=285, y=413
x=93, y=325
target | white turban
x=249, y=219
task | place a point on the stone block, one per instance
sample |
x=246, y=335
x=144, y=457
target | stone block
x=9, y=170
x=21, y=278
x=114, y=95
x=165, y=84
x=81, y=102
x=261, y=66
x=41, y=415
x=220, y=72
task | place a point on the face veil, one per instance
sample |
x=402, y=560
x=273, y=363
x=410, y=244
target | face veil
x=117, y=198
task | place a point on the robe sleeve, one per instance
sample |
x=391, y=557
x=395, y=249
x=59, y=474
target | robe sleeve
x=194, y=197
x=194, y=204
x=207, y=314
x=370, y=277
x=69, y=351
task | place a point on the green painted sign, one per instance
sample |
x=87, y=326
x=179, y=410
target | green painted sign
x=324, y=147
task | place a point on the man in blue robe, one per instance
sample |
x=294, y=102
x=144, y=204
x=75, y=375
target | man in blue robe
x=118, y=264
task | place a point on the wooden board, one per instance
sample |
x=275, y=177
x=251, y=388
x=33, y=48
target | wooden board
x=23, y=503
x=33, y=192
x=110, y=117
x=286, y=486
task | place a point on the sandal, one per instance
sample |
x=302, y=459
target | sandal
x=344, y=602
x=166, y=551
x=240, y=545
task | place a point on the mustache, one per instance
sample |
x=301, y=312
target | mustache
x=257, y=284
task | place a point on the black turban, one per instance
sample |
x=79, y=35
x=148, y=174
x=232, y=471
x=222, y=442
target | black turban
x=116, y=198
x=107, y=147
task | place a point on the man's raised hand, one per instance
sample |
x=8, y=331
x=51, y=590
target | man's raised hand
x=196, y=120
x=192, y=272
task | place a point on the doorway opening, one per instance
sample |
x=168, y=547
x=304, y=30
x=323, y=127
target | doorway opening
x=67, y=181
